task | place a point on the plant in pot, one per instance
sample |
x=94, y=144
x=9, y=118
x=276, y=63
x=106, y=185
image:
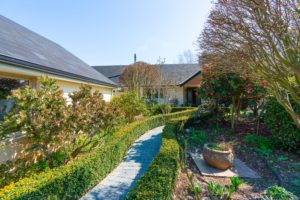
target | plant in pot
x=218, y=155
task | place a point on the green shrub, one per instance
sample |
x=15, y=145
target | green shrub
x=178, y=109
x=285, y=133
x=161, y=108
x=279, y=193
x=42, y=115
x=264, y=145
x=131, y=105
x=159, y=179
x=71, y=181
x=55, y=131
x=197, y=137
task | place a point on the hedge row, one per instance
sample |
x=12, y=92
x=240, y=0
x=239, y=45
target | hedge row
x=178, y=109
x=73, y=180
x=159, y=180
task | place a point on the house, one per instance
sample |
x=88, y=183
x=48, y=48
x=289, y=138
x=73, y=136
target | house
x=179, y=82
x=25, y=56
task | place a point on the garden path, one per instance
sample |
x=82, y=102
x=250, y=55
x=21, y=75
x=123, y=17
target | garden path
x=123, y=178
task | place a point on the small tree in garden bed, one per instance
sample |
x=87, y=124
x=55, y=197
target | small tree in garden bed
x=91, y=118
x=230, y=88
x=130, y=104
x=43, y=116
x=52, y=127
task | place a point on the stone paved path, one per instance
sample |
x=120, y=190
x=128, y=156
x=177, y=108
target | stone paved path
x=123, y=178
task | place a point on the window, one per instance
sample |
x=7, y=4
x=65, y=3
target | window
x=6, y=86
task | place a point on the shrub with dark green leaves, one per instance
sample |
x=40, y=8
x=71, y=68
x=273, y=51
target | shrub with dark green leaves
x=279, y=193
x=285, y=133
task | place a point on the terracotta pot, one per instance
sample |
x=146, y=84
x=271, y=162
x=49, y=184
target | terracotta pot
x=218, y=159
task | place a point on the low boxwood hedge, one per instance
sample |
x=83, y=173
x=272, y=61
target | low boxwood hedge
x=73, y=180
x=159, y=179
x=178, y=109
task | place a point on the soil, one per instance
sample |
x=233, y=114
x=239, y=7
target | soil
x=281, y=168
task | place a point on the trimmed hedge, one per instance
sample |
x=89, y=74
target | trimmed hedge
x=178, y=109
x=73, y=180
x=159, y=179
x=285, y=134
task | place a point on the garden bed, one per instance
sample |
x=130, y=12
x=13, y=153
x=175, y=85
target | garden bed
x=274, y=166
x=77, y=177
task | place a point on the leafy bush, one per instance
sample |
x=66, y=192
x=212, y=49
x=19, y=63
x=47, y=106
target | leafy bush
x=285, y=133
x=82, y=173
x=264, y=145
x=130, y=104
x=91, y=119
x=43, y=116
x=197, y=137
x=159, y=179
x=232, y=88
x=278, y=193
x=55, y=131
x=161, y=108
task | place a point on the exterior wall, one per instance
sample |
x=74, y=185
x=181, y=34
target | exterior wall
x=176, y=93
x=67, y=85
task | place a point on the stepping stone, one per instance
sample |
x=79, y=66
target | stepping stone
x=239, y=168
x=122, y=179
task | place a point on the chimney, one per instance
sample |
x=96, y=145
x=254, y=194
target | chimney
x=134, y=58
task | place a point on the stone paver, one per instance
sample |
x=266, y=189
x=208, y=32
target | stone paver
x=238, y=168
x=122, y=179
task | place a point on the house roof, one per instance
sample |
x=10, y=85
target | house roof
x=22, y=47
x=173, y=74
x=189, y=78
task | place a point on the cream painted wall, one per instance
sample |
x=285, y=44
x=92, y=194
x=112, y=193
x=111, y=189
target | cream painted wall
x=176, y=92
x=68, y=85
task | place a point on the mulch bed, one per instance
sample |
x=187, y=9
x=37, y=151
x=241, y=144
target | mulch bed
x=285, y=172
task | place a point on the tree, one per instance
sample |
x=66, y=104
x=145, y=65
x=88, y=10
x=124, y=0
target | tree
x=186, y=57
x=42, y=115
x=231, y=88
x=90, y=120
x=130, y=104
x=139, y=75
x=263, y=34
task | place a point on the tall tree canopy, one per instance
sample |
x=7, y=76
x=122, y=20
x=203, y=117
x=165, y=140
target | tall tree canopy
x=263, y=35
x=139, y=75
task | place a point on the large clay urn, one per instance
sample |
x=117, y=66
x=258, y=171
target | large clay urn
x=221, y=159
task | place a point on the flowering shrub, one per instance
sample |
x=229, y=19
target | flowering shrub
x=231, y=88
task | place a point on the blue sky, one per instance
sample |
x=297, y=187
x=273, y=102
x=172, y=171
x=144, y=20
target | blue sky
x=109, y=32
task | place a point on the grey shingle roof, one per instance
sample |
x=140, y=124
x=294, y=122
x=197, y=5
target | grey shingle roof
x=173, y=73
x=23, y=47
